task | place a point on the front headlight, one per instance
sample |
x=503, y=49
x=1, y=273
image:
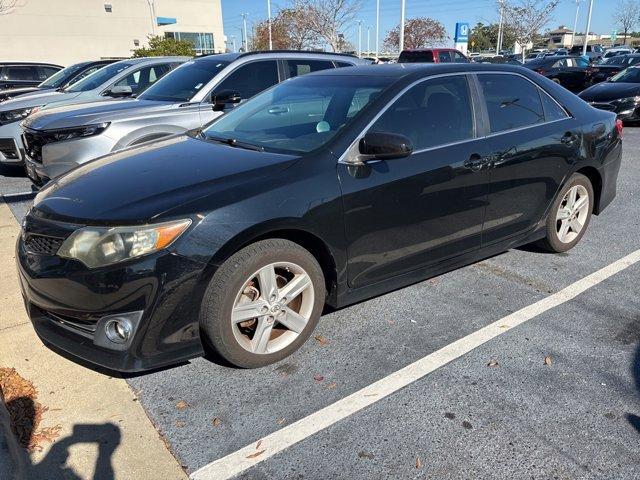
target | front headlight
x=75, y=132
x=16, y=115
x=100, y=246
x=628, y=100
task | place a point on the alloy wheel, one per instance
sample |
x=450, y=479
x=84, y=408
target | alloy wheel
x=272, y=308
x=572, y=213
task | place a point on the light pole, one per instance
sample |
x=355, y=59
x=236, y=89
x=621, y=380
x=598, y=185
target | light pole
x=244, y=31
x=152, y=10
x=269, y=15
x=575, y=23
x=586, y=34
x=377, y=26
x=359, y=22
x=500, y=27
x=368, y=39
x=402, y=9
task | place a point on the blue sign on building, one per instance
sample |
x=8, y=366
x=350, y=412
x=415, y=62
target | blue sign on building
x=462, y=33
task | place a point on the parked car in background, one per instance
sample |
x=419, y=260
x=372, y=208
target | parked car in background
x=59, y=80
x=25, y=74
x=533, y=56
x=187, y=98
x=432, y=55
x=594, y=52
x=370, y=179
x=613, y=52
x=570, y=72
x=621, y=95
x=117, y=80
x=608, y=67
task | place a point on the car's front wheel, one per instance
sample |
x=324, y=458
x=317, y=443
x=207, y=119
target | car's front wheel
x=263, y=303
x=570, y=215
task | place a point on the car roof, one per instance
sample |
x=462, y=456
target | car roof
x=230, y=57
x=139, y=60
x=43, y=64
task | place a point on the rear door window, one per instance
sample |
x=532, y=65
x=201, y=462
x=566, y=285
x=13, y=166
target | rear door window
x=250, y=79
x=444, y=57
x=417, y=56
x=512, y=102
x=298, y=67
x=432, y=113
x=21, y=72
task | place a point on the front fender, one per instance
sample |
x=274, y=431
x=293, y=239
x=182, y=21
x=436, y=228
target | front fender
x=152, y=132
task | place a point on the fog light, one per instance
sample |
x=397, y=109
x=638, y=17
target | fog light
x=118, y=330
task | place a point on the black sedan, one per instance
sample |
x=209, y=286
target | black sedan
x=608, y=67
x=620, y=94
x=329, y=188
x=59, y=80
x=570, y=72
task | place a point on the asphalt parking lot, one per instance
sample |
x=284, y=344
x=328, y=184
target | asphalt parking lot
x=555, y=397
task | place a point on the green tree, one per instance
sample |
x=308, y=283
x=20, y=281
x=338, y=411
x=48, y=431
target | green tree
x=161, y=47
x=485, y=37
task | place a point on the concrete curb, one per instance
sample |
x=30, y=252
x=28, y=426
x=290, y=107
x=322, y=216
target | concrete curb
x=105, y=432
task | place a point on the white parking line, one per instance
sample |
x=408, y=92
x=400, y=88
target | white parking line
x=247, y=457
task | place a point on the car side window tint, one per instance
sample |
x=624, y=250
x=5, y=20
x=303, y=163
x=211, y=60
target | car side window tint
x=143, y=78
x=250, y=79
x=296, y=67
x=552, y=111
x=47, y=72
x=511, y=101
x=22, y=73
x=582, y=62
x=343, y=64
x=444, y=57
x=434, y=112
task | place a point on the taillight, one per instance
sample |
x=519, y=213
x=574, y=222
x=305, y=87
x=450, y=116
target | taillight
x=619, y=127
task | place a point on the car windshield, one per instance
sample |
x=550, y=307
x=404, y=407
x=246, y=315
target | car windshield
x=58, y=78
x=299, y=115
x=99, y=77
x=184, y=82
x=630, y=75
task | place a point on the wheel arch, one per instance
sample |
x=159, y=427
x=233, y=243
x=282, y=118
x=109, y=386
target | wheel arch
x=595, y=178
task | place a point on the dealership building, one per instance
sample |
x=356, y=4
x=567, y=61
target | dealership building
x=68, y=31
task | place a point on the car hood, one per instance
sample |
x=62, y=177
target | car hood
x=37, y=99
x=6, y=93
x=76, y=115
x=157, y=181
x=607, y=91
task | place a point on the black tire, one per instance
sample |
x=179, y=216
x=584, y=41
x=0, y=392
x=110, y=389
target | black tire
x=229, y=279
x=552, y=242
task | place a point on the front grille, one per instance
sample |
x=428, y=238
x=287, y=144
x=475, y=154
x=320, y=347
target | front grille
x=8, y=149
x=42, y=245
x=83, y=326
x=33, y=142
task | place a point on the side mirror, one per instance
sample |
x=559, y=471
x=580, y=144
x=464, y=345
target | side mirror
x=385, y=146
x=221, y=100
x=120, y=91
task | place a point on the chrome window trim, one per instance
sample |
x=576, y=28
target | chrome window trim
x=349, y=157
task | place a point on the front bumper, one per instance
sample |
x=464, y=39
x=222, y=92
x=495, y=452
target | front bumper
x=11, y=151
x=627, y=111
x=68, y=303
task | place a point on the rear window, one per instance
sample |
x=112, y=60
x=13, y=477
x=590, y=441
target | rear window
x=418, y=56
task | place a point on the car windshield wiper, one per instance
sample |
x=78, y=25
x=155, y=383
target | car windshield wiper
x=232, y=142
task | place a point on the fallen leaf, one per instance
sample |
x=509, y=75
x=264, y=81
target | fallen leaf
x=258, y=444
x=418, y=462
x=181, y=405
x=280, y=421
x=318, y=378
x=467, y=425
x=256, y=454
x=321, y=340
x=493, y=363
x=367, y=455
x=547, y=360
x=370, y=394
x=180, y=423
x=332, y=385
x=504, y=326
x=216, y=422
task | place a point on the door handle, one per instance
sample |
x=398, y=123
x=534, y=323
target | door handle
x=278, y=110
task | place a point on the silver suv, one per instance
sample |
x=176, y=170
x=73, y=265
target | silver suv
x=117, y=80
x=57, y=140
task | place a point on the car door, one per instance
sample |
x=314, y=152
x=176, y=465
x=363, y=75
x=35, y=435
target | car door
x=407, y=213
x=248, y=79
x=530, y=141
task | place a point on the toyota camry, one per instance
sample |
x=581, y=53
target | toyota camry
x=329, y=188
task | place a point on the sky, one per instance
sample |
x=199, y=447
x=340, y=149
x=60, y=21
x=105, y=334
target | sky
x=447, y=12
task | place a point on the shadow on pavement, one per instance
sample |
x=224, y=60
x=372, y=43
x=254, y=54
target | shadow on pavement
x=634, y=419
x=53, y=465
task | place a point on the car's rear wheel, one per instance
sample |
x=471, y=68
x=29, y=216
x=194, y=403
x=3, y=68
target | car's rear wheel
x=570, y=215
x=263, y=303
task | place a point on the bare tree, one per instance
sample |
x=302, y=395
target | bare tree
x=289, y=29
x=328, y=18
x=418, y=32
x=527, y=17
x=6, y=6
x=626, y=16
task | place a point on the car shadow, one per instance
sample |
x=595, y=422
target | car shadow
x=54, y=465
x=632, y=418
x=12, y=171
